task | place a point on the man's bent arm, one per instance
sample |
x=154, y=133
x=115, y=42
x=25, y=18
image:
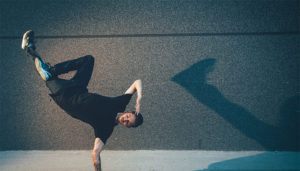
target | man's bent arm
x=98, y=147
x=136, y=87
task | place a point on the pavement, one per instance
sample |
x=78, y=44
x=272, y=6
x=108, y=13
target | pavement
x=146, y=160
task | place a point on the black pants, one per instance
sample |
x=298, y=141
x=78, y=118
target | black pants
x=84, y=66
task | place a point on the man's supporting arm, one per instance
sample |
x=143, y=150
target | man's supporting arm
x=98, y=147
x=136, y=87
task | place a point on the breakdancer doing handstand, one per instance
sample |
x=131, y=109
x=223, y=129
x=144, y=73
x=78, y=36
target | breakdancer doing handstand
x=101, y=112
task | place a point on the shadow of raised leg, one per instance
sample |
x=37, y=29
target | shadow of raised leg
x=193, y=80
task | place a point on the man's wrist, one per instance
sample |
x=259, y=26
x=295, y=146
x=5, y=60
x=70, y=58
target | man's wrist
x=137, y=104
x=138, y=99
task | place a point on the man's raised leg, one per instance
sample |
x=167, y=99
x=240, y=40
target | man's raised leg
x=83, y=65
x=29, y=47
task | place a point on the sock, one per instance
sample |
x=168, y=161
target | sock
x=30, y=45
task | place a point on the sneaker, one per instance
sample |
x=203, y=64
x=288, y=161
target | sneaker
x=43, y=69
x=28, y=39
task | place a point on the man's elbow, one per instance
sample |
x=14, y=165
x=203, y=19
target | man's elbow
x=138, y=81
x=138, y=84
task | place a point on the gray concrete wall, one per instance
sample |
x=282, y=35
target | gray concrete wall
x=217, y=75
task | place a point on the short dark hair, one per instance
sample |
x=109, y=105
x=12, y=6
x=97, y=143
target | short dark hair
x=138, y=120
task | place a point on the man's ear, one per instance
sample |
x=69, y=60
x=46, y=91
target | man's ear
x=119, y=113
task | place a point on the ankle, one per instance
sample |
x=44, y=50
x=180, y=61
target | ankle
x=52, y=70
x=31, y=45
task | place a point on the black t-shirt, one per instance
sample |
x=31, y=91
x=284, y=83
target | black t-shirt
x=97, y=110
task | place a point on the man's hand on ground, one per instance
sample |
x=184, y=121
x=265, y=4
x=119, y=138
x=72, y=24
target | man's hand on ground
x=98, y=146
x=97, y=165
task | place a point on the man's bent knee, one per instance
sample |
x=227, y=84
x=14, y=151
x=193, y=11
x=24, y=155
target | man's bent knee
x=89, y=58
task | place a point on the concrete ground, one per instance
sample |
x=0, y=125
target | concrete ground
x=159, y=160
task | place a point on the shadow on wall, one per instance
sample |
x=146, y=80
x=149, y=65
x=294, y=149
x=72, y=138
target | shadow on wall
x=281, y=137
x=283, y=161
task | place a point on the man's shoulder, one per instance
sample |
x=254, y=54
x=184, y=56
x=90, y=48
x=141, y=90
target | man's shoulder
x=124, y=96
x=103, y=131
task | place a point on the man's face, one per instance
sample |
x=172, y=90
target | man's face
x=127, y=119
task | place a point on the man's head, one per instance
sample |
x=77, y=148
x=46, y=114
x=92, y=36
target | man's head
x=130, y=119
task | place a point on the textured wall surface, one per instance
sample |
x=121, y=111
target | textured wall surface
x=217, y=75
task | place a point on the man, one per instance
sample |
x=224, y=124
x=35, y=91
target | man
x=102, y=113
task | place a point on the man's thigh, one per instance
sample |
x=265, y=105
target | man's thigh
x=55, y=85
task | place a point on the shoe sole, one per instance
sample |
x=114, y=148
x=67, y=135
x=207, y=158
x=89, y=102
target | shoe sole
x=24, y=39
x=38, y=68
